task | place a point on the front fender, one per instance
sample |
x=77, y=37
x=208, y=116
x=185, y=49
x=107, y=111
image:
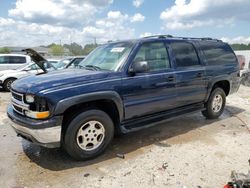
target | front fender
x=64, y=104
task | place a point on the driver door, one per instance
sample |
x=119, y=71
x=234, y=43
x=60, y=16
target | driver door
x=152, y=91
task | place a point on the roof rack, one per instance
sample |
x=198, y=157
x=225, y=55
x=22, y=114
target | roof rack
x=186, y=38
x=159, y=36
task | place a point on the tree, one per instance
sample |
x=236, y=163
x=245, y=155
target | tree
x=56, y=50
x=88, y=48
x=74, y=48
x=4, y=50
x=240, y=46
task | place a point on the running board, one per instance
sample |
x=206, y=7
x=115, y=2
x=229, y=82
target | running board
x=151, y=120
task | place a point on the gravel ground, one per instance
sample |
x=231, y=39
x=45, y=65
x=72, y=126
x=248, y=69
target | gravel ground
x=186, y=152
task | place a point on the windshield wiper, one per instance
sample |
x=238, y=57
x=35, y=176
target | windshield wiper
x=93, y=67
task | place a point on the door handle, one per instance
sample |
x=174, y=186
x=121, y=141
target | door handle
x=170, y=78
x=199, y=75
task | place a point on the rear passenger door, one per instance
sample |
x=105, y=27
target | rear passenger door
x=190, y=74
x=16, y=61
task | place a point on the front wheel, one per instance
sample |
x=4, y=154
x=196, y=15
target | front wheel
x=7, y=84
x=215, y=104
x=88, y=134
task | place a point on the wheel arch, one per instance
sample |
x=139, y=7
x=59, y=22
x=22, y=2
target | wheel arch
x=223, y=83
x=11, y=77
x=107, y=101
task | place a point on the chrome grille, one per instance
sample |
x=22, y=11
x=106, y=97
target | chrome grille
x=18, y=103
x=17, y=96
x=17, y=109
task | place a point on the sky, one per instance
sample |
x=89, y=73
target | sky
x=42, y=22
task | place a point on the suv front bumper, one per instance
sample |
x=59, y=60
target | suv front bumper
x=46, y=133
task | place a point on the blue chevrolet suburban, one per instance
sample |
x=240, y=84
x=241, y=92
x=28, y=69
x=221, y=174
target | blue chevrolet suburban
x=122, y=87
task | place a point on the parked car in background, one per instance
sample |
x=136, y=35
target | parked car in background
x=242, y=61
x=123, y=87
x=7, y=77
x=12, y=61
x=75, y=62
x=54, y=62
x=61, y=64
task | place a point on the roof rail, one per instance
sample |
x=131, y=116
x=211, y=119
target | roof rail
x=186, y=38
x=159, y=36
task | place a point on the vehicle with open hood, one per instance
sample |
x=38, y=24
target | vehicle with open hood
x=38, y=65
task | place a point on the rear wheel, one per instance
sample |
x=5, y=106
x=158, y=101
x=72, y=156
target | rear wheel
x=88, y=134
x=7, y=84
x=215, y=104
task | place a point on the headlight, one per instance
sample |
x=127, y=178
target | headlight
x=29, y=98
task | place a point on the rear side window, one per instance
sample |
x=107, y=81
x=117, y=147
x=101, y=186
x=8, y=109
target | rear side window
x=17, y=60
x=185, y=54
x=218, y=53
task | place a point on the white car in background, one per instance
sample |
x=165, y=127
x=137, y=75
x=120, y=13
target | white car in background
x=38, y=65
x=12, y=61
x=7, y=77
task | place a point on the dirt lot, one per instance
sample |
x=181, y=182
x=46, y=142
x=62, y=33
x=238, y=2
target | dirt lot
x=187, y=152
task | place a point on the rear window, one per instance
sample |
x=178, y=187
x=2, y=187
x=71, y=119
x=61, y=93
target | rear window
x=17, y=60
x=185, y=54
x=218, y=53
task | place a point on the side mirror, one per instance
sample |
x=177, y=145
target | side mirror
x=139, y=67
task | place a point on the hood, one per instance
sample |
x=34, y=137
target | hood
x=8, y=71
x=57, y=79
x=36, y=58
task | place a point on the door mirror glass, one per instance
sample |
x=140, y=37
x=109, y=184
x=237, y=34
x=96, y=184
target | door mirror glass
x=140, y=67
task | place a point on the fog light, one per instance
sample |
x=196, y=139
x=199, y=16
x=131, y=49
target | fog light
x=30, y=98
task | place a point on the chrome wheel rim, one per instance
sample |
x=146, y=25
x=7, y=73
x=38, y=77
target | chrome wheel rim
x=9, y=84
x=217, y=103
x=90, y=135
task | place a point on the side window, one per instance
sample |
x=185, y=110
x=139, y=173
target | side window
x=4, y=60
x=218, y=53
x=155, y=54
x=185, y=54
x=17, y=60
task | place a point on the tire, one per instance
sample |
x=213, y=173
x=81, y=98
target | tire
x=80, y=140
x=214, y=111
x=7, y=84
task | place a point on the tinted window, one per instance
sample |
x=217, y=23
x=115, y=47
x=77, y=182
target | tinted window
x=3, y=60
x=155, y=54
x=185, y=54
x=17, y=60
x=217, y=53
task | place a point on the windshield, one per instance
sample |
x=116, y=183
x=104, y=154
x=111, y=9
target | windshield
x=107, y=57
